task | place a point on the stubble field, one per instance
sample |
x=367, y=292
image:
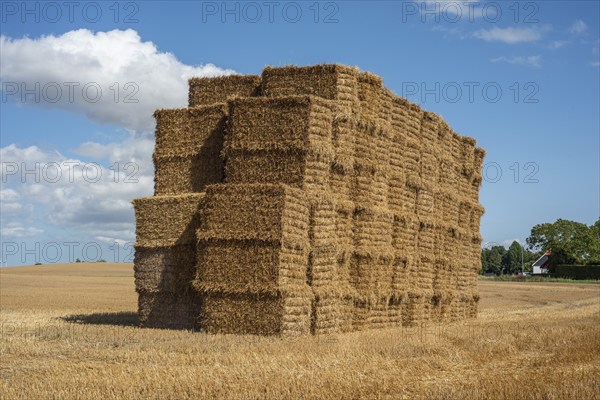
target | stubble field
x=70, y=331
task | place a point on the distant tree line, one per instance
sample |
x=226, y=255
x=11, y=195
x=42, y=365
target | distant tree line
x=569, y=243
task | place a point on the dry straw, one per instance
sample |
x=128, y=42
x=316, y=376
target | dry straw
x=331, y=205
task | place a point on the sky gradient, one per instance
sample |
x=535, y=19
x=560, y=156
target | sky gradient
x=520, y=77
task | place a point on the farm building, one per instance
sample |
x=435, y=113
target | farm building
x=307, y=200
x=540, y=266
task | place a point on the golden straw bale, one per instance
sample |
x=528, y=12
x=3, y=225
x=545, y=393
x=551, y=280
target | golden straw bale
x=190, y=131
x=164, y=269
x=153, y=229
x=249, y=266
x=266, y=212
x=166, y=310
x=285, y=314
x=205, y=91
x=333, y=82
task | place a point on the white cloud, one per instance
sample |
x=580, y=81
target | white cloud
x=74, y=202
x=118, y=62
x=578, y=27
x=509, y=35
x=71, y=193
x=595, y=63
x=557, y=44
x=531, y=61
x=17, y=230
x=506, y=243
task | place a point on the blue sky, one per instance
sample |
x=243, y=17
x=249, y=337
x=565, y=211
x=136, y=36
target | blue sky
x=520, y=77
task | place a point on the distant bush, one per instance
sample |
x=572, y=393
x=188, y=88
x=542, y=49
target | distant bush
x=578, y=271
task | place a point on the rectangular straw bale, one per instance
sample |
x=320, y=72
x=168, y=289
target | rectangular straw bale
x=464, y=213
x=344, y=230
x=411, y=157
x=328, y=313
x=187, y=174
x=402, y=273
x=283, y=314
x=465, y=184
x=467, y=155
x=205, y=91
x=333, y=82
x=301, y=123
x=426, y=275
x=164, y=269
x=404, y=235
x=394, y=312
x=344, y=131
x=406, y=119
x=190, y=131
x=308, y=171
x=473, y=192
x=397, y=184
x=378, y=316
x=249, y=266
x=441, y=284
x=425, y=202
x=371, y=277
x=153, y=229
x=448, y=206
x=429, y=129
x=372, y=146
x=371, y=188
x=426, y=237
x=370, y=89
x=455, y=147
x=429, y=168
x=373, y=231
x=444, y=144
x=414, y=309
x=448, y=176
x=255, y=211
x=342, y=184
x=402, y=198
x=166, y=310
x=360, y=315
x=386, y=109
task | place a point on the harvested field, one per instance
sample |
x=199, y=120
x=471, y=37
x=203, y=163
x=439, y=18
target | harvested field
x=66, y=328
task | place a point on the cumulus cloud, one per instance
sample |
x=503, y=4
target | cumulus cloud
x=509, y=35
x=17, y=230
x=73, y=194
x=112, y=77
x=578, y=27
x=531, y=61
x=92, y=196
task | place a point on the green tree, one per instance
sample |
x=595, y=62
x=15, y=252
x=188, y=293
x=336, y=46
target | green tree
x=493, y=257
x=594, y=247
x=569, y=241
x=511, y=260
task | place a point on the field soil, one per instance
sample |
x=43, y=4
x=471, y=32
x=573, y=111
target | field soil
x=71, y=331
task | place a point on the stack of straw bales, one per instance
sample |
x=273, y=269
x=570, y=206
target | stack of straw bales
x=307, y=200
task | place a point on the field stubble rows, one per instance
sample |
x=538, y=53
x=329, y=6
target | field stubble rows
x=69, y=331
